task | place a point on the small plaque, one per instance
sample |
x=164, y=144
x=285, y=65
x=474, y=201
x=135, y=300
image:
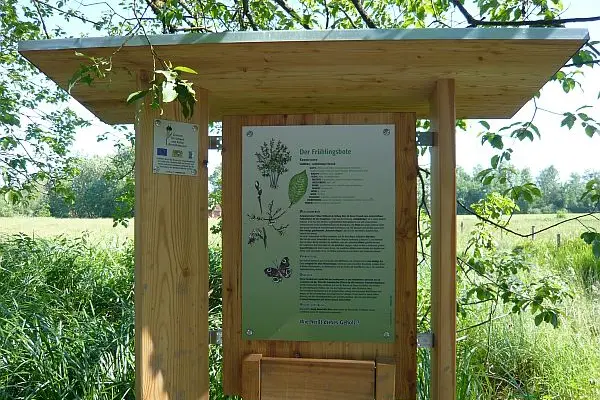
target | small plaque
x=175, y=148
x=318, y=209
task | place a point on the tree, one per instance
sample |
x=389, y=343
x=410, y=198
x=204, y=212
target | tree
x=549, y=183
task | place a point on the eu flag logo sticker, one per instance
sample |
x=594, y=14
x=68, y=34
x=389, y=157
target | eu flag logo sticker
x=161, y=151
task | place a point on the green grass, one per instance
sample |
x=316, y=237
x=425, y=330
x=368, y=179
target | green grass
x=66, y=319
x=99, y=230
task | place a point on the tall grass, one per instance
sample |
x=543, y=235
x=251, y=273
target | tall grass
x=66, y=320
x=66, y=328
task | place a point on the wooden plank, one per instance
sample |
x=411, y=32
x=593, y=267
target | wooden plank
x=404, y=348
x=171, y=266
x=324, y=76
x=251, y=377
x=443, y=242
x=316, y=379
x=385, y=379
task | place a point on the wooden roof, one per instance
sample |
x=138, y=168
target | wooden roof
x=496, y=70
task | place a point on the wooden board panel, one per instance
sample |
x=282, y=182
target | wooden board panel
x=171, y=268
x=443, y=242
x=303, y=379
x=251, y=377
x=404, y=348
x=385, y=379
x=494, y=77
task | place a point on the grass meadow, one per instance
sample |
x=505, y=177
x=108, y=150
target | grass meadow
x=66, y=316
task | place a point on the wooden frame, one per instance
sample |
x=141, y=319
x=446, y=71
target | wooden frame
x=171, y=265
x=403, y=351
x=443, y=242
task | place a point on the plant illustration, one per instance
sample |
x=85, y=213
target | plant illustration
x=297, y=188
x=271, y=160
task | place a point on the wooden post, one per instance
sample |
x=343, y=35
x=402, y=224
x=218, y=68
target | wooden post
x=171, y=265
x=443, y=241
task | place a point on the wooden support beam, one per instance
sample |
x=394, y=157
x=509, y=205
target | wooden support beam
x=251, y=377
x=443, y=241
x=171, y=265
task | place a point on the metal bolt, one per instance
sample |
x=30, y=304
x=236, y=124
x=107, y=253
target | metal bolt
x=157, y=122
x=249, y=332
x=155, y=170
x=249, y=133
x=195, y=128
x=194, y=172
x=386, y=132
x=386, y=334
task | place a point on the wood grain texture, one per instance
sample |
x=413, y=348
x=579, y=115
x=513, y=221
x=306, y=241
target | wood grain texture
x=385, y=379
x=251, y=377
x=403, y=351
x=443, y=242
x=304, y=379
x=494, y=78
x=171, y=267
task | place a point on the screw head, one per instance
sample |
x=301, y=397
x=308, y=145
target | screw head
x=386, y=132
x=386, y=334
x=157, y=122
x=195, y=128
x=249, y=332
x=155, y=170
x=249, y=133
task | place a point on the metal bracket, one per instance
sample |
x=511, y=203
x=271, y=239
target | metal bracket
x=215, y=142
x=215, y=336
x=425, y=138
x=425, y=340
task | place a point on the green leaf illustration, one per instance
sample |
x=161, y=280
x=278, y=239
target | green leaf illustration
x=297, y=187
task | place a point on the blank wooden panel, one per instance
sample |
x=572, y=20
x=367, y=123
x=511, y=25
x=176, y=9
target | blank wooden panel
x=251, y=377
x=304, y=379
x=403, y=351
x=171, y=267
x=385, y=378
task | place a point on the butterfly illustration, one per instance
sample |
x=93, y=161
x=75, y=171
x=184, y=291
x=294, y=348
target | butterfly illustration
x=278, y=273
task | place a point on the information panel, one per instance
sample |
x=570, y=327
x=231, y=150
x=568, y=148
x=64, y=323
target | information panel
x=318, y=209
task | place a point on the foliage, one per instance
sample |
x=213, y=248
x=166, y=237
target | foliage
x=66, y=312
x=36, y=127
x=96, y=189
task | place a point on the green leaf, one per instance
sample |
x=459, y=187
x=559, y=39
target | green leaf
x=590, y=237
x=184, y=69
x=590, y=130
x=596, y=249
x=539, y=318
x=485, y=124
x=297, y=187
x=136, y=96
x=168, y=92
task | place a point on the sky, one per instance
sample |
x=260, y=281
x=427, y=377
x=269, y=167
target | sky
x=569, y=151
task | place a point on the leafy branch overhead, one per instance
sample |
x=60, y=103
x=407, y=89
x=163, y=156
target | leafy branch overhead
x=168, y=86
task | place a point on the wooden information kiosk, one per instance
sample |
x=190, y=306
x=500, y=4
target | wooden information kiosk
x=319, y=197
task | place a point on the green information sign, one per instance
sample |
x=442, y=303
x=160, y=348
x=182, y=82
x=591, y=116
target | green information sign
x=318, y=208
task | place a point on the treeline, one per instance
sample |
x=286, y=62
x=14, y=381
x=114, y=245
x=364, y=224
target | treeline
x=557, y=195
x=102, y=188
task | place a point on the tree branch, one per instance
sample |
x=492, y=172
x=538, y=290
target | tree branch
x=538, y=22
x=363, y=14
x=246, y=12
x=523, y=235
x=292, y=13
